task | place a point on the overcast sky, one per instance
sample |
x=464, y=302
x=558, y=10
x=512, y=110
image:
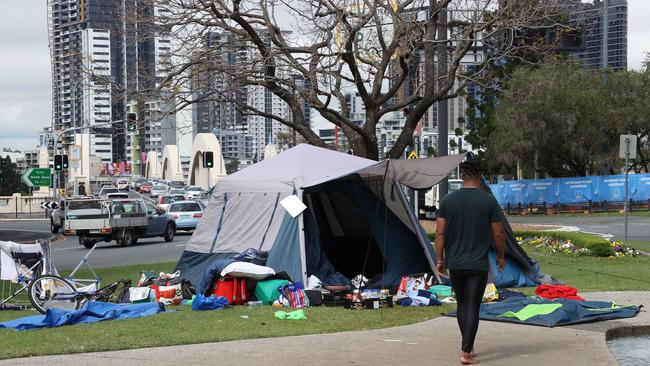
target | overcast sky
x=25, y=89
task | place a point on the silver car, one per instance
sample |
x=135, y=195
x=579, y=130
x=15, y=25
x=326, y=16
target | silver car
x=186, y=214
x=158, y=190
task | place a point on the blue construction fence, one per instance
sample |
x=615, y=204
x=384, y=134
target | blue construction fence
x=579, y=190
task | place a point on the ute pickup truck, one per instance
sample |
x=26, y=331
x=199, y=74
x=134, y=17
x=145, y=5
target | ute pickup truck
x=122, y=220
x=73, y=203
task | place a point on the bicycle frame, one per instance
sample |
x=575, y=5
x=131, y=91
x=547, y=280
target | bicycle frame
x=83, y=281
x=22, y=283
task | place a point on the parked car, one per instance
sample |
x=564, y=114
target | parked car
x=166, y=199
x=123, y=184
x=145, y=187
x=186, y=214
x=106, y=190
x=158, y=190
x=193, y=192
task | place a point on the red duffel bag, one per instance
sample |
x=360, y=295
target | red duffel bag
x=232, y=288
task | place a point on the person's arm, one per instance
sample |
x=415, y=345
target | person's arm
x=440, y=245
x=499, y=239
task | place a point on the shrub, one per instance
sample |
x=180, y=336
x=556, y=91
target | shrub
x=598, y=246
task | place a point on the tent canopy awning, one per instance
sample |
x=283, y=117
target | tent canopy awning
x=413, y=173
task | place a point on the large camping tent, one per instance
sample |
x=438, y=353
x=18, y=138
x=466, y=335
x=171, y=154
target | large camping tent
x=357, y=220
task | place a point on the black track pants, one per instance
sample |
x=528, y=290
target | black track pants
x=469, y=286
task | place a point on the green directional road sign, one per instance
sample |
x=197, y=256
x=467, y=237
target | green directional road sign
x=38, y=177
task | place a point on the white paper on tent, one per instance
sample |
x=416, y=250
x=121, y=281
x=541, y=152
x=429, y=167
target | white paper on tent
x=293, y=205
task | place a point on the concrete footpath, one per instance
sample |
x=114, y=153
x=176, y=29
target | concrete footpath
x=434, y=342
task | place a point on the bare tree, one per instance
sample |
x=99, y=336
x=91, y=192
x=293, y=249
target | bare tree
x=316, y=53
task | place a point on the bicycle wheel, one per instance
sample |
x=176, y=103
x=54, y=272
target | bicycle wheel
x=53, y=292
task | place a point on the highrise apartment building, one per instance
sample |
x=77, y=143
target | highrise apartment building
x=221, y=107
x=589, y=19
x=104, y=53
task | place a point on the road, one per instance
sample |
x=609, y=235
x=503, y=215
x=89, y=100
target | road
x=67, y=252
x=638, y=227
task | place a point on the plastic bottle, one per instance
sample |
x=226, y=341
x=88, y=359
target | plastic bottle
x=254, y=303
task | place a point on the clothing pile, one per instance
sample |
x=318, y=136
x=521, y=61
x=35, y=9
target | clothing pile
x=166, y=288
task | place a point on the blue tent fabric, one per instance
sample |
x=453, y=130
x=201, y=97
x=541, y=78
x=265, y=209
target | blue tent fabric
x=571, y=311
x=211, y=273
x=91, y=312
x=399, y=246
x=193, y=265
x=318, y=264
x=513, y=275
x=285, y=253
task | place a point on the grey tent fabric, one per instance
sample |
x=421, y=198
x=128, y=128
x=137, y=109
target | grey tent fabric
x=415, y=173
x=245, y=212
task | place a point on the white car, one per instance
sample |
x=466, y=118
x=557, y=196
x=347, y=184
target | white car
x=108, y=189
x=117, y=196
x=193, y=192
x=123, y=184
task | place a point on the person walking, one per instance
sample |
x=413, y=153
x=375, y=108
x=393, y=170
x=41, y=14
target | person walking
x=468, y=221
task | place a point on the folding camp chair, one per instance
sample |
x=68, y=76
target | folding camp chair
x=19, y=265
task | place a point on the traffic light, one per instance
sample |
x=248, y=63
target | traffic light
x=3, y=164
x=58, y=162
x=64, y=161
x=208, y=159
x=131, y=122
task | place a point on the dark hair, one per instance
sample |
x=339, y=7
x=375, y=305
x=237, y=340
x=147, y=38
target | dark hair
x=470, y=169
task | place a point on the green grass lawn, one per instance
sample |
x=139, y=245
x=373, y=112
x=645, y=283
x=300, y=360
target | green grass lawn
x=184, y=326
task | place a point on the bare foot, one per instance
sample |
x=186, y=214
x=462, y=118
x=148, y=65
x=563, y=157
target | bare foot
x=467, y=359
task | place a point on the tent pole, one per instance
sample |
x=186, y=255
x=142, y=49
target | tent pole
x=416, y=225
x=301, y=238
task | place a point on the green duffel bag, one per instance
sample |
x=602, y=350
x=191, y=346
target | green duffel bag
x=267, y=291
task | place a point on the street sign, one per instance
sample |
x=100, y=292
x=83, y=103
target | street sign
x=412, y=155
x=38, y=177
x=627, y=145
x=49, y=205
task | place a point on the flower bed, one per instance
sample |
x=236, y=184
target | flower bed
x=566, y=247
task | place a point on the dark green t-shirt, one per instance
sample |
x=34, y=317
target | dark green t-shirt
x=468, y=214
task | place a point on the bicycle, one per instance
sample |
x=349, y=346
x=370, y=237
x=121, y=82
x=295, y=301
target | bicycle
x=50, y=291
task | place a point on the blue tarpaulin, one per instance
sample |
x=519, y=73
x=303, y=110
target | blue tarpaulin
x=569, y=312
x=91, y=312
x=610, y=188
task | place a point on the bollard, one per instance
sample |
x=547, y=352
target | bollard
x=519, y=208
x=16, y=205
x=590, y=207
x=530, y=208
x=508, y=207
x=544, y=208
x=606, y=207
x=648, y=204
